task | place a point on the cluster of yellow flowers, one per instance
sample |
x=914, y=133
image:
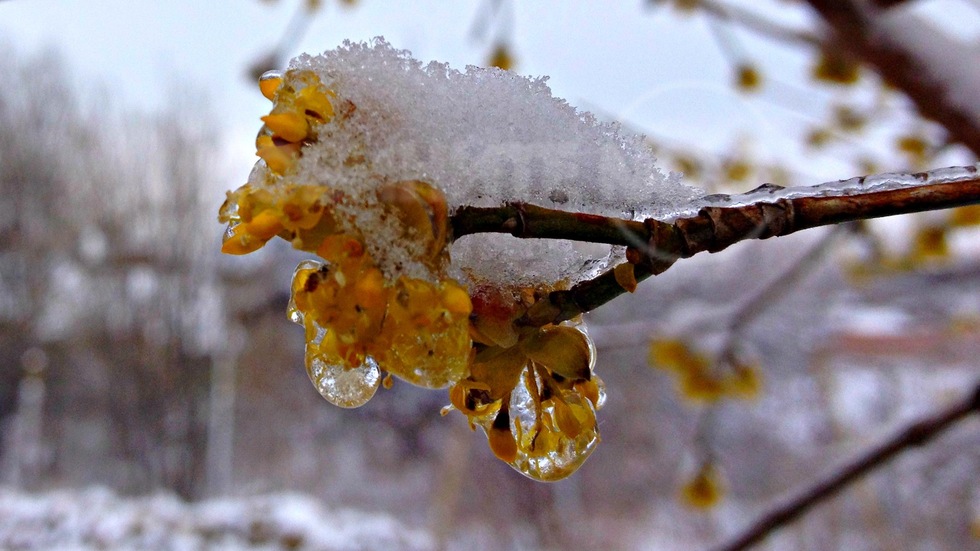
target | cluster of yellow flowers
x=701, y=380
x=357, y=325
x=532, y=389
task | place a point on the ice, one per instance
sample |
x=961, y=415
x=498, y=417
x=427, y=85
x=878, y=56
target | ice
x=843, y=188
x=344, y=386
x=564, y=455
x=555, y=429
x=483, y=137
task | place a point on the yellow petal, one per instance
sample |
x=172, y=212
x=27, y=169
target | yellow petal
x=239, y=241
x=422, y=209
x=455, y=299
x=744, y=382
x=314, y=103
x=704, y=490
x=965, y=216
x=701, y=386
x=625, y=276
x=501, y=440
x=291, y=127
x=369, y=289
x=499, y=368
x=562, y=349
x=278, y=158
x=674, y=355
x=573, y=416
x=264, y=225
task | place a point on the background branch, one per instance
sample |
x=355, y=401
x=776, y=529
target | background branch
x=916, y=434
x=913, y=56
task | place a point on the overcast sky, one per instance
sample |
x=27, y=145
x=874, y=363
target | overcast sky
x=662, y=72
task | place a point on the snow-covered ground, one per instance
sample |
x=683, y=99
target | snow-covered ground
x=96, y=518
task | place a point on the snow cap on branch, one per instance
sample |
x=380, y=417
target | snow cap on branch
x=482, y=137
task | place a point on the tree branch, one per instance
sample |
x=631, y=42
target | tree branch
x=914, y=435
x=768, y=211
x=883, y=39
x=758, y=23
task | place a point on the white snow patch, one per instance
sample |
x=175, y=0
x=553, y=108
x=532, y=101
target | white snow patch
x=96, y=518
x=484, y=137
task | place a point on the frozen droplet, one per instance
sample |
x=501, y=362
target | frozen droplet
x=269, y=82
x=347, y=387
x=543, y=451
x=294, y=313
x=601, y=401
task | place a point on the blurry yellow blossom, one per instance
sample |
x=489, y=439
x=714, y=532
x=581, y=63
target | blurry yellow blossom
x=929, y=243
x=915, y=147
x=834, y=67
x=705, y=489
x=698, y=378
x=501, y=57
x=847, y=119
x=965, y=216
x=748, y=78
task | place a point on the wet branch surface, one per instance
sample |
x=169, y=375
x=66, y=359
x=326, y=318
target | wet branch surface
x=914, y=435
x=654, y=245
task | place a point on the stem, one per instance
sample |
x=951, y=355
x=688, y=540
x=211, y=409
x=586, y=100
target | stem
x=531, y=221
x=916, y=434
x=768, y=211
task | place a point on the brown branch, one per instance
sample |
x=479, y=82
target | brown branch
x=854, y=29
x=531, y=221
x=914, y=435
x=758, y=23
x=885, y=4
x=654, y=245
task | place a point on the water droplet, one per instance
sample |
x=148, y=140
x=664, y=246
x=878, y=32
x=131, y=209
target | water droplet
x=269, y=82
x=347, y=387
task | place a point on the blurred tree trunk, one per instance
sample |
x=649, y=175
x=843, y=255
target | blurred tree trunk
x=937, y=72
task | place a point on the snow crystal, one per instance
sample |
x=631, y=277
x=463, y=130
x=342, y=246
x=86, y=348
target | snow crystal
x=483, y=137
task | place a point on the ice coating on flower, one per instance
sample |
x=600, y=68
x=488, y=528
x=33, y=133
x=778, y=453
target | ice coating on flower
x=342, y=385
x=536, y=400
x=357, y=324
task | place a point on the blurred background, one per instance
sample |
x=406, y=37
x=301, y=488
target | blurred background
x=147, y=380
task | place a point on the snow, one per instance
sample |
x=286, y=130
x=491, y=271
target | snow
x=95, y=518
x=483, y=137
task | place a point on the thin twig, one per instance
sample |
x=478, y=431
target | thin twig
x=771, y=293
x=758, y=23
x=914, y=435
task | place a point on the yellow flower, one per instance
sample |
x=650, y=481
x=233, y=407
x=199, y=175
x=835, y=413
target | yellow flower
x=698, y=379
x=546, y=375
x=705, y=489
x=501, y=58
x=748, y=78
x=836, y=68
